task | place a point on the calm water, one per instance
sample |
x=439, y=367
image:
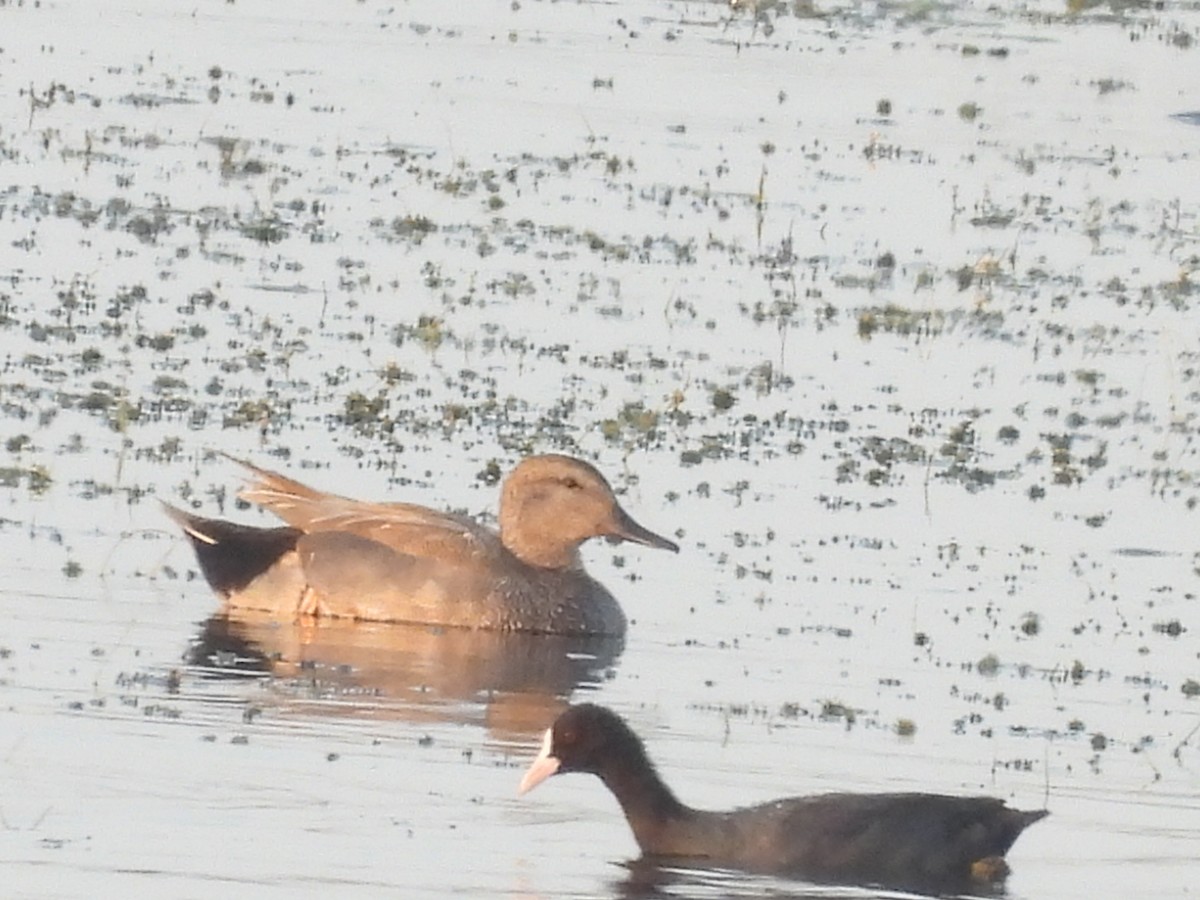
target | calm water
x=887, y=313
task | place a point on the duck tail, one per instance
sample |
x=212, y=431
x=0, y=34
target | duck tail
x=231, y=555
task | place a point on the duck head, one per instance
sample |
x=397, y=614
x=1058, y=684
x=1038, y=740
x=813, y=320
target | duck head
x=551, y=504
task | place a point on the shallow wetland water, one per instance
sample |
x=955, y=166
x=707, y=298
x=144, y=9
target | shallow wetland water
x=885, y=312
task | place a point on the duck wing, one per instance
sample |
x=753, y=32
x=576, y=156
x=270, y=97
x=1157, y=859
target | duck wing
x=406, y=528
x=362, y=578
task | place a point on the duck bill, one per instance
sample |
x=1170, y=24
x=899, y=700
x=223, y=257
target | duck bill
x=626, y=529
x=541, y=768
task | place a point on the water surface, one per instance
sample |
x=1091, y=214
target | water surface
x=885, y=312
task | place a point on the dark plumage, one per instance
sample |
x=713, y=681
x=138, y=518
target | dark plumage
x=908, y=840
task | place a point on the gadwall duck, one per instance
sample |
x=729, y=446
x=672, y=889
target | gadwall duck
x=916, y=841
x=398, y=562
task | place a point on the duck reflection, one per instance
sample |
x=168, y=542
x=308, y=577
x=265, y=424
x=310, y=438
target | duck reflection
x=509, y=683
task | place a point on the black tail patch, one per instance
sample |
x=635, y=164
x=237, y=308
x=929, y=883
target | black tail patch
x=232, y=555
